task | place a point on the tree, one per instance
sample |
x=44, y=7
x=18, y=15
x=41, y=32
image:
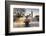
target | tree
x=21, y=11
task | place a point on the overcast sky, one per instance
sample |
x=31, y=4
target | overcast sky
x=35, y=11
x=27, y=11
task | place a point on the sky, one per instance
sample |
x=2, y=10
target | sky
x=28, y=11
x=35, y=12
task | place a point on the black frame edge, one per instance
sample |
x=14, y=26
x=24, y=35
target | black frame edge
x=6, y=21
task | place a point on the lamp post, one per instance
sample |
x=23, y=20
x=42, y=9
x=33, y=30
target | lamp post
x=31, y=14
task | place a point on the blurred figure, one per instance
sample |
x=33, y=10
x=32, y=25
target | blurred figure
x=27, y=21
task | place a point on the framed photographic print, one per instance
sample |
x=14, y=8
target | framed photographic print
x=24, y=17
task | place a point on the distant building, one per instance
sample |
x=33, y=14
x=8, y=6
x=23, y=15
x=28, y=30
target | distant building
x=36, y=18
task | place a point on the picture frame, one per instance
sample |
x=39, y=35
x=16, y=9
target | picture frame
x=10, y=5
